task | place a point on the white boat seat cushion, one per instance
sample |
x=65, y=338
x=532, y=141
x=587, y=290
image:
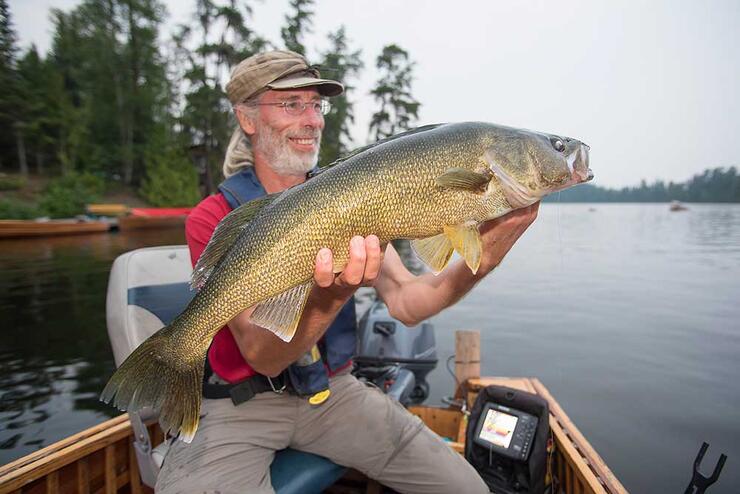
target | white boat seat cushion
x=165, y=270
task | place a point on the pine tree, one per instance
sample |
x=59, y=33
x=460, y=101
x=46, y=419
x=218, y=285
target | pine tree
x=297, y=25
x=37, y=88
x=206, y=116
x=11, y=141
x=343, y=65
x=114, y=86
x=398, y=109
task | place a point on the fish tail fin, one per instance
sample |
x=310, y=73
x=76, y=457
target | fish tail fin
x=155, y=376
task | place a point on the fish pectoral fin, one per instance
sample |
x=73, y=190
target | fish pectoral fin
x=282, y=313
x=466, y=241
x=461, y=178
x=435, y=251
x=224, y=237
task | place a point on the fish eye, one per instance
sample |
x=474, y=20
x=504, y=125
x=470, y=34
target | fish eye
x=559, y=145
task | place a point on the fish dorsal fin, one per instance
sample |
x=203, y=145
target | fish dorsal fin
x=354, y=152
x=282, y=313
x=517, y=195
x=434, y=251
x=462, y=178
x=466, y=241
x=224, y=237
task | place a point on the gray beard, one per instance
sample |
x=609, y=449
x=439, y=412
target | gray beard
x=280, y=158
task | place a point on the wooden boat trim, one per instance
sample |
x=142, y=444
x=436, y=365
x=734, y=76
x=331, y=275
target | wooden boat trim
x=585, y=450
x=50, y=459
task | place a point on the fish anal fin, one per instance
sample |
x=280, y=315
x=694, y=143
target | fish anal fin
x=434, y=251
x=282, y=313
x=462, y=178
x=466, y=241
x=225, y=235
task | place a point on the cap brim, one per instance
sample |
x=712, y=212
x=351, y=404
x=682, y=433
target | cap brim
x=326, y=87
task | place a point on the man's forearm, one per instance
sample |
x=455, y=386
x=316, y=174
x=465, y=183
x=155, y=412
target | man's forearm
x=427, y=295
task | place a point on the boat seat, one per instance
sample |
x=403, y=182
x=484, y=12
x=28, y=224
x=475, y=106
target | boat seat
x=148, y=288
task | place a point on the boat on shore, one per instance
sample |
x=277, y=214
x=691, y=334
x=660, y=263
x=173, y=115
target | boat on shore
x=103, y=458
x=153, y=218
x=107, y=209
x=46, y=227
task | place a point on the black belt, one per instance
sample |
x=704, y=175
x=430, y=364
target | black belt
x=244, y=390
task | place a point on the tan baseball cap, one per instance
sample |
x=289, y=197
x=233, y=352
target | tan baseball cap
x=278, y=69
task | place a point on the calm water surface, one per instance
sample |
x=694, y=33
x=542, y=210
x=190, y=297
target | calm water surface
x=629, y=314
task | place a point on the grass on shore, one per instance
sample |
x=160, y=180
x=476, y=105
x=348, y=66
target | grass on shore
x=20, y=197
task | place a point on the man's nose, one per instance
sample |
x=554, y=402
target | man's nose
x=312, y=118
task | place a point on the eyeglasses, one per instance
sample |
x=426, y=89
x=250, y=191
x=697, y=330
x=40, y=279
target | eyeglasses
x=297, y=107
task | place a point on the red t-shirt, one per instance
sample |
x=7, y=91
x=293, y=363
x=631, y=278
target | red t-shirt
x=224, y=356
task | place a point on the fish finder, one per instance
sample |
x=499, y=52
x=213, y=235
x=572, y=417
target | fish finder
x=506, y=431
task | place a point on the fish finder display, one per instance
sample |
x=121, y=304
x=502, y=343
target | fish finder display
x=498, y=428
x=508, y=431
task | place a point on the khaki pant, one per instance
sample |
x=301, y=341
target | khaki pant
x=358, y=427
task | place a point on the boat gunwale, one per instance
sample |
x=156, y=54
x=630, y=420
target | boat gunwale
x=54, y=457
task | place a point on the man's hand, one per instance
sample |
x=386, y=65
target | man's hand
x=362, y=269
x=499, y=236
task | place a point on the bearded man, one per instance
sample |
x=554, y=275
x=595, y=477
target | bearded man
x=301, y=394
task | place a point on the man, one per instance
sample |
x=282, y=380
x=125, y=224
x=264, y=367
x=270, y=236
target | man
x=279, y=105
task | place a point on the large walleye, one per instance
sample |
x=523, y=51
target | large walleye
x=434, y=184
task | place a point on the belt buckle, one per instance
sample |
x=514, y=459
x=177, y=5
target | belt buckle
x=272, y=385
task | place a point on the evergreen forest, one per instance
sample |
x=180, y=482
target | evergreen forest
x=117, y=102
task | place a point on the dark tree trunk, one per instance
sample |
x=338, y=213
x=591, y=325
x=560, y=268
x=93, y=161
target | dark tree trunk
x=21, y=152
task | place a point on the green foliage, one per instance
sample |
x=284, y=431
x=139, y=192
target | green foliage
x=207, y=119
x=11, y=100
x=11, y=182
x=398, y=109
x=713, y=185
x=297, y=25
x=171, y=181
x=343, y=65
x=67, y=196
x=111, y=87
x=17, y=210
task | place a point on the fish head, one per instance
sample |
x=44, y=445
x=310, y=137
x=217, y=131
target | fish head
x=529, y=165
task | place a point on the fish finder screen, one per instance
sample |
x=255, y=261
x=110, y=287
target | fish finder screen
x=498, y=428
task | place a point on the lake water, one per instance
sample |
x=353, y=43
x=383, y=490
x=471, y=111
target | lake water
x=628, y=313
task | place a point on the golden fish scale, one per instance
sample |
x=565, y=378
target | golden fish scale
x=389, y=191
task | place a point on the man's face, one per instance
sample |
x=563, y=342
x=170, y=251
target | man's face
x=289, y=143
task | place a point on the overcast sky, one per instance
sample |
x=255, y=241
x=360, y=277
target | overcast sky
x=653, y=87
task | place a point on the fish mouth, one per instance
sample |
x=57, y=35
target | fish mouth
x=578, y=165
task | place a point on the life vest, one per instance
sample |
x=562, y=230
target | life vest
x=339, y=342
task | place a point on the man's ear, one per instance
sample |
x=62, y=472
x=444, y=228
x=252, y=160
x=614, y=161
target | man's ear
x=245, y=122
